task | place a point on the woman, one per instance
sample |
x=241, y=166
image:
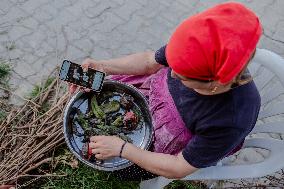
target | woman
x=202, y=107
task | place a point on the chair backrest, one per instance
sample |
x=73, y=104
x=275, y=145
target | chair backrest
x=267, y=68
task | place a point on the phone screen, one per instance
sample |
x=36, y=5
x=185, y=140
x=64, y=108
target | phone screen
x=74, y=73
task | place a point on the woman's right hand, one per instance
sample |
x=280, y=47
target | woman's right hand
x=87, y=63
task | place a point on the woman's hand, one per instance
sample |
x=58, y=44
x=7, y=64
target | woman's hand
x=87, y=63
x=105, y=147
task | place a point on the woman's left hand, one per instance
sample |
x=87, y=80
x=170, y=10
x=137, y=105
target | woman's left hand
x=105, y=147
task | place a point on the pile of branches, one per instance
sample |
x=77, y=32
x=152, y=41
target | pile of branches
x=30, y=132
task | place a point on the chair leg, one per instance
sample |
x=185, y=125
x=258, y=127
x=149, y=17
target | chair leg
x=156, y=183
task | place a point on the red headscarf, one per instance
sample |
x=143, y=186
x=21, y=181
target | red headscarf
x=215, y=44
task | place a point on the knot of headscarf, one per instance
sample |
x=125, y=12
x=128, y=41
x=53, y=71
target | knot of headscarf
x=215, y=44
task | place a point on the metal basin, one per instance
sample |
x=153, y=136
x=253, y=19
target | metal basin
x=141, y=137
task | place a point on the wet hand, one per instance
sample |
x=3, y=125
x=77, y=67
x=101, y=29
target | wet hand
x=105, y=147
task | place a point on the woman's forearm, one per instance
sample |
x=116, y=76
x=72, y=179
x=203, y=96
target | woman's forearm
x=166, y=165
x=136, y=64
x=170, y=166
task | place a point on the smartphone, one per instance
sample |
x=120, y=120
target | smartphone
x=73, y=73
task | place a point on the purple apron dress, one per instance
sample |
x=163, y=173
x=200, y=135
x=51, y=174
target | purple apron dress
x=170, y=133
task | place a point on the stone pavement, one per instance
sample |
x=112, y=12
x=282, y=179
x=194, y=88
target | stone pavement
x=36, y=35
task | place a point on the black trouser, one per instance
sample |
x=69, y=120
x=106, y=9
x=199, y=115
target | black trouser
x=133, y=173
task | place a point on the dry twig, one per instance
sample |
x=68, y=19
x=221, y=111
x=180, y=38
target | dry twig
x=28, y=134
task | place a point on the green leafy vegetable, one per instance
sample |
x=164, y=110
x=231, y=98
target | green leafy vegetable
x=97, y=111
x=110, y=107
x=118, y=121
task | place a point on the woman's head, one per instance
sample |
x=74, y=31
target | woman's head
x=215, y=44
x=203, y=86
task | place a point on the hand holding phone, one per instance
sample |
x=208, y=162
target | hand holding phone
x=74, y=74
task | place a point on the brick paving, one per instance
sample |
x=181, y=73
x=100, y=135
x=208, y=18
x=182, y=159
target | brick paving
x=36, y=35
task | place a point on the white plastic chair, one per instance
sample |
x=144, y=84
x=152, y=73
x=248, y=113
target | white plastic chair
x=265, y=67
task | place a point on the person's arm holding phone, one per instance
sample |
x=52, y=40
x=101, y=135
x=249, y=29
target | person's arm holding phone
x=136, y=64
